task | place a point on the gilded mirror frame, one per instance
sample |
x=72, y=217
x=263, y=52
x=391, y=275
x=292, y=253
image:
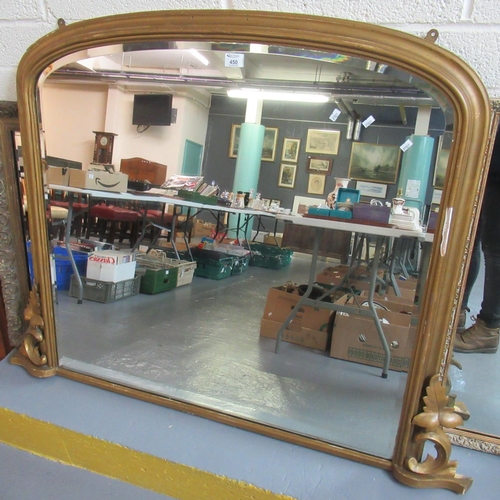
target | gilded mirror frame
x=13, y=272
x=463, y=436
x=448, y=74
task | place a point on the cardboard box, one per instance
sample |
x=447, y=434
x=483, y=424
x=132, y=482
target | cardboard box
x=304, y=336
x=202, y=228
x=393, y=303
x=58, y=175
x=309, y=327
x=98, y=180
x=356, y=339
x=270, y=239
x=111, y=265
x=332, y=275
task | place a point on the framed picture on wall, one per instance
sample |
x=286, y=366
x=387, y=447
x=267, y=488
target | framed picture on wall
x=440, y=168
x=290, y=150
x=323, y=142
x=234, y=141
x=374, y=162
x=268, y=147
x=319, y=165
x=372, y=189
x=316, y=184
x=287, y=175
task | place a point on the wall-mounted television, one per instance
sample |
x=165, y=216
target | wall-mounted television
x=152, y=109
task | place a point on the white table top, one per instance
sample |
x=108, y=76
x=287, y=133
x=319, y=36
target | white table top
x=157, y=198
x=355, y=227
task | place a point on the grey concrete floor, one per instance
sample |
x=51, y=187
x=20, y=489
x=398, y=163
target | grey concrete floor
x=200, y=343
x=182, y=438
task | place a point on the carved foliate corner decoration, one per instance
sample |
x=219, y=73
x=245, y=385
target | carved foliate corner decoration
x=31, y=354
x=439, y=412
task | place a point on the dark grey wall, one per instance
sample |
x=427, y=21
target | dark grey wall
x=293, y=121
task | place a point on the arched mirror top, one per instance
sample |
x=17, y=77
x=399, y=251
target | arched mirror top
x=417, y=67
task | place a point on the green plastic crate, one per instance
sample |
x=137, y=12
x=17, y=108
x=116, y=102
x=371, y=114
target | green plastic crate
x=211, y=264
x=197, y=197
x=270, y=256
x=159, y=280
x=240, y=264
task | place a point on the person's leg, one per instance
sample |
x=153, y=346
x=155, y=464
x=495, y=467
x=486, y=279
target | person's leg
x=483, y=336
x=474, y=267
x=490, y=240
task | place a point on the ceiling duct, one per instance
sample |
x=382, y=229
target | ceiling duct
x=352, y=118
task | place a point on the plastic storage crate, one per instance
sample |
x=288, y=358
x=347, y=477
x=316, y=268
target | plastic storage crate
x=157, y=259
x=240, y=263
x=158, y=280
x=270, y=256
x=185, y=272
x=105, y=291
x=211, y=264
x=64, y=269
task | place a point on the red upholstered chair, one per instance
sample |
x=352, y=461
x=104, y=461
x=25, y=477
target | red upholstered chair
x=165, y=219
x=113, y=221
x=79, y=209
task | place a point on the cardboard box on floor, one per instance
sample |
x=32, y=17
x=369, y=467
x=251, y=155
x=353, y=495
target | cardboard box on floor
x=355, y=338
x=271, y=239
x=202, y=228
x=309, y=327
x=332, y=275
x=393, y=303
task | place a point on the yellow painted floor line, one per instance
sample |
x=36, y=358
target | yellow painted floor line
x=113, y=460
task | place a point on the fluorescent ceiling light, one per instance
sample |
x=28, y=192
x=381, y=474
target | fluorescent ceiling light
x=198, y=56
x=277, y=96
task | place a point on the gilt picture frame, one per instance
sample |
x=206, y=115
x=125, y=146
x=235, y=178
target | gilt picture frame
x=440, y=168
x=316, y=184
x=291, y=149
x=323, y=141
x=268, y=146
x=287, y=175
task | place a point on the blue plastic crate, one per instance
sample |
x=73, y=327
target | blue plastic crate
x=64, y=270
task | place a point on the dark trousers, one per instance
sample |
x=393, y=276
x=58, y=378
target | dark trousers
x=487, y=240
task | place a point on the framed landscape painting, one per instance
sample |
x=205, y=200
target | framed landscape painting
x=268, y=146
x=374, y=163
x=319, y=165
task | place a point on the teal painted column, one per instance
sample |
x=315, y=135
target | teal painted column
x=246, y=175
x=415, y=170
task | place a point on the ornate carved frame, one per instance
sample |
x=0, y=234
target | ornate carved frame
x=13, y=272
x=421, y=419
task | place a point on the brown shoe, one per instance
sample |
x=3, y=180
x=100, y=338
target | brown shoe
x=477, y=338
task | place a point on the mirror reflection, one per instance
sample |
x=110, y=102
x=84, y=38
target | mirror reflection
x=196, y=220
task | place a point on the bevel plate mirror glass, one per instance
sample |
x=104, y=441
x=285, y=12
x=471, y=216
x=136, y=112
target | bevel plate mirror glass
x=194, y=343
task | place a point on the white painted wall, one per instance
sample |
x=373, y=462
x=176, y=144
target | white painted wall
x=71, y=112
x=469, y=28
x=68, y=121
